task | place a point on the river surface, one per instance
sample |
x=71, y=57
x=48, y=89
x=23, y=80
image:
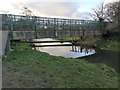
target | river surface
x=108, y=58
x=65, y=51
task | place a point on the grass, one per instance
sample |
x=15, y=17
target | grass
x=38, y=69
x=109, y=45
x=20, y=46
x=89, y=41
x=67, y=38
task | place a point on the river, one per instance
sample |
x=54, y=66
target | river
x=108, y=58
x=65, y=51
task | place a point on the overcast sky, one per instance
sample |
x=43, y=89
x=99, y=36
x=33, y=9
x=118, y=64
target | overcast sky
x=52, y=8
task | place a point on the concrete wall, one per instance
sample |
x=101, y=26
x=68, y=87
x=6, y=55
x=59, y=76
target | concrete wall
x=4, y=44
x=0, y=60
x=3, y=39
x=0, y=52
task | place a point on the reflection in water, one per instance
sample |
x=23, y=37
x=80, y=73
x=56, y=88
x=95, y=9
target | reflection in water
x=65, y=51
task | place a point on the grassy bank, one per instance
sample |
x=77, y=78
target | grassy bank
x=37, y=69
x=68, y=38
x=108, y=44
x=111, y=45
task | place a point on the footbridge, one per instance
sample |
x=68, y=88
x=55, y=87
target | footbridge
x=30, y=27
x=18, y=27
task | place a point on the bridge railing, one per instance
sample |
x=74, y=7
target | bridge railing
x=24, y=27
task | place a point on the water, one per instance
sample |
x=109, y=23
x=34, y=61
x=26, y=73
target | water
x=108, y=58
x=65, y=51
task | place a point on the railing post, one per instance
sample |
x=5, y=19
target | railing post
x=55, y=33
x=34, y=23
x=70, y=27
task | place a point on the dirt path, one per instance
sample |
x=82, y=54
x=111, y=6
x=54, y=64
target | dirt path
x=10, y=78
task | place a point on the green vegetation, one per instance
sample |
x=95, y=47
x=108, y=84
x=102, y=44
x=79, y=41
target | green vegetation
x=68, y=38
x=20, y=46
x=38, y=69
x=109, y=45
x=89, y=41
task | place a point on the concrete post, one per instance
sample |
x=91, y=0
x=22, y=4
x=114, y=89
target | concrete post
x=0, y=52
x=4, y=45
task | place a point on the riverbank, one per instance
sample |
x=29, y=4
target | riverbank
x=90, y=41
x=107, y=50
x=26, y=68
x=106, y=57
x=111, y=45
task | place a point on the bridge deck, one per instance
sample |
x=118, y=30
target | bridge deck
x=61, y=41
x=51, y=45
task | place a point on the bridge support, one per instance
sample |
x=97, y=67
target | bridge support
x=4, y=40
x=4, y=43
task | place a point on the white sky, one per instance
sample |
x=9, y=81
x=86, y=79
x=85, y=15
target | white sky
x=52, y=8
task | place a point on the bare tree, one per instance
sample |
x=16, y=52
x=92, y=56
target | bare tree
x=100, y=13
x=26, y=22
x=26, y=11
x=107, y=12
x=113, y=10
x=114, y=14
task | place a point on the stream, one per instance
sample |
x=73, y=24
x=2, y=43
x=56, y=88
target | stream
x=108, y=58
x=65, y=51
